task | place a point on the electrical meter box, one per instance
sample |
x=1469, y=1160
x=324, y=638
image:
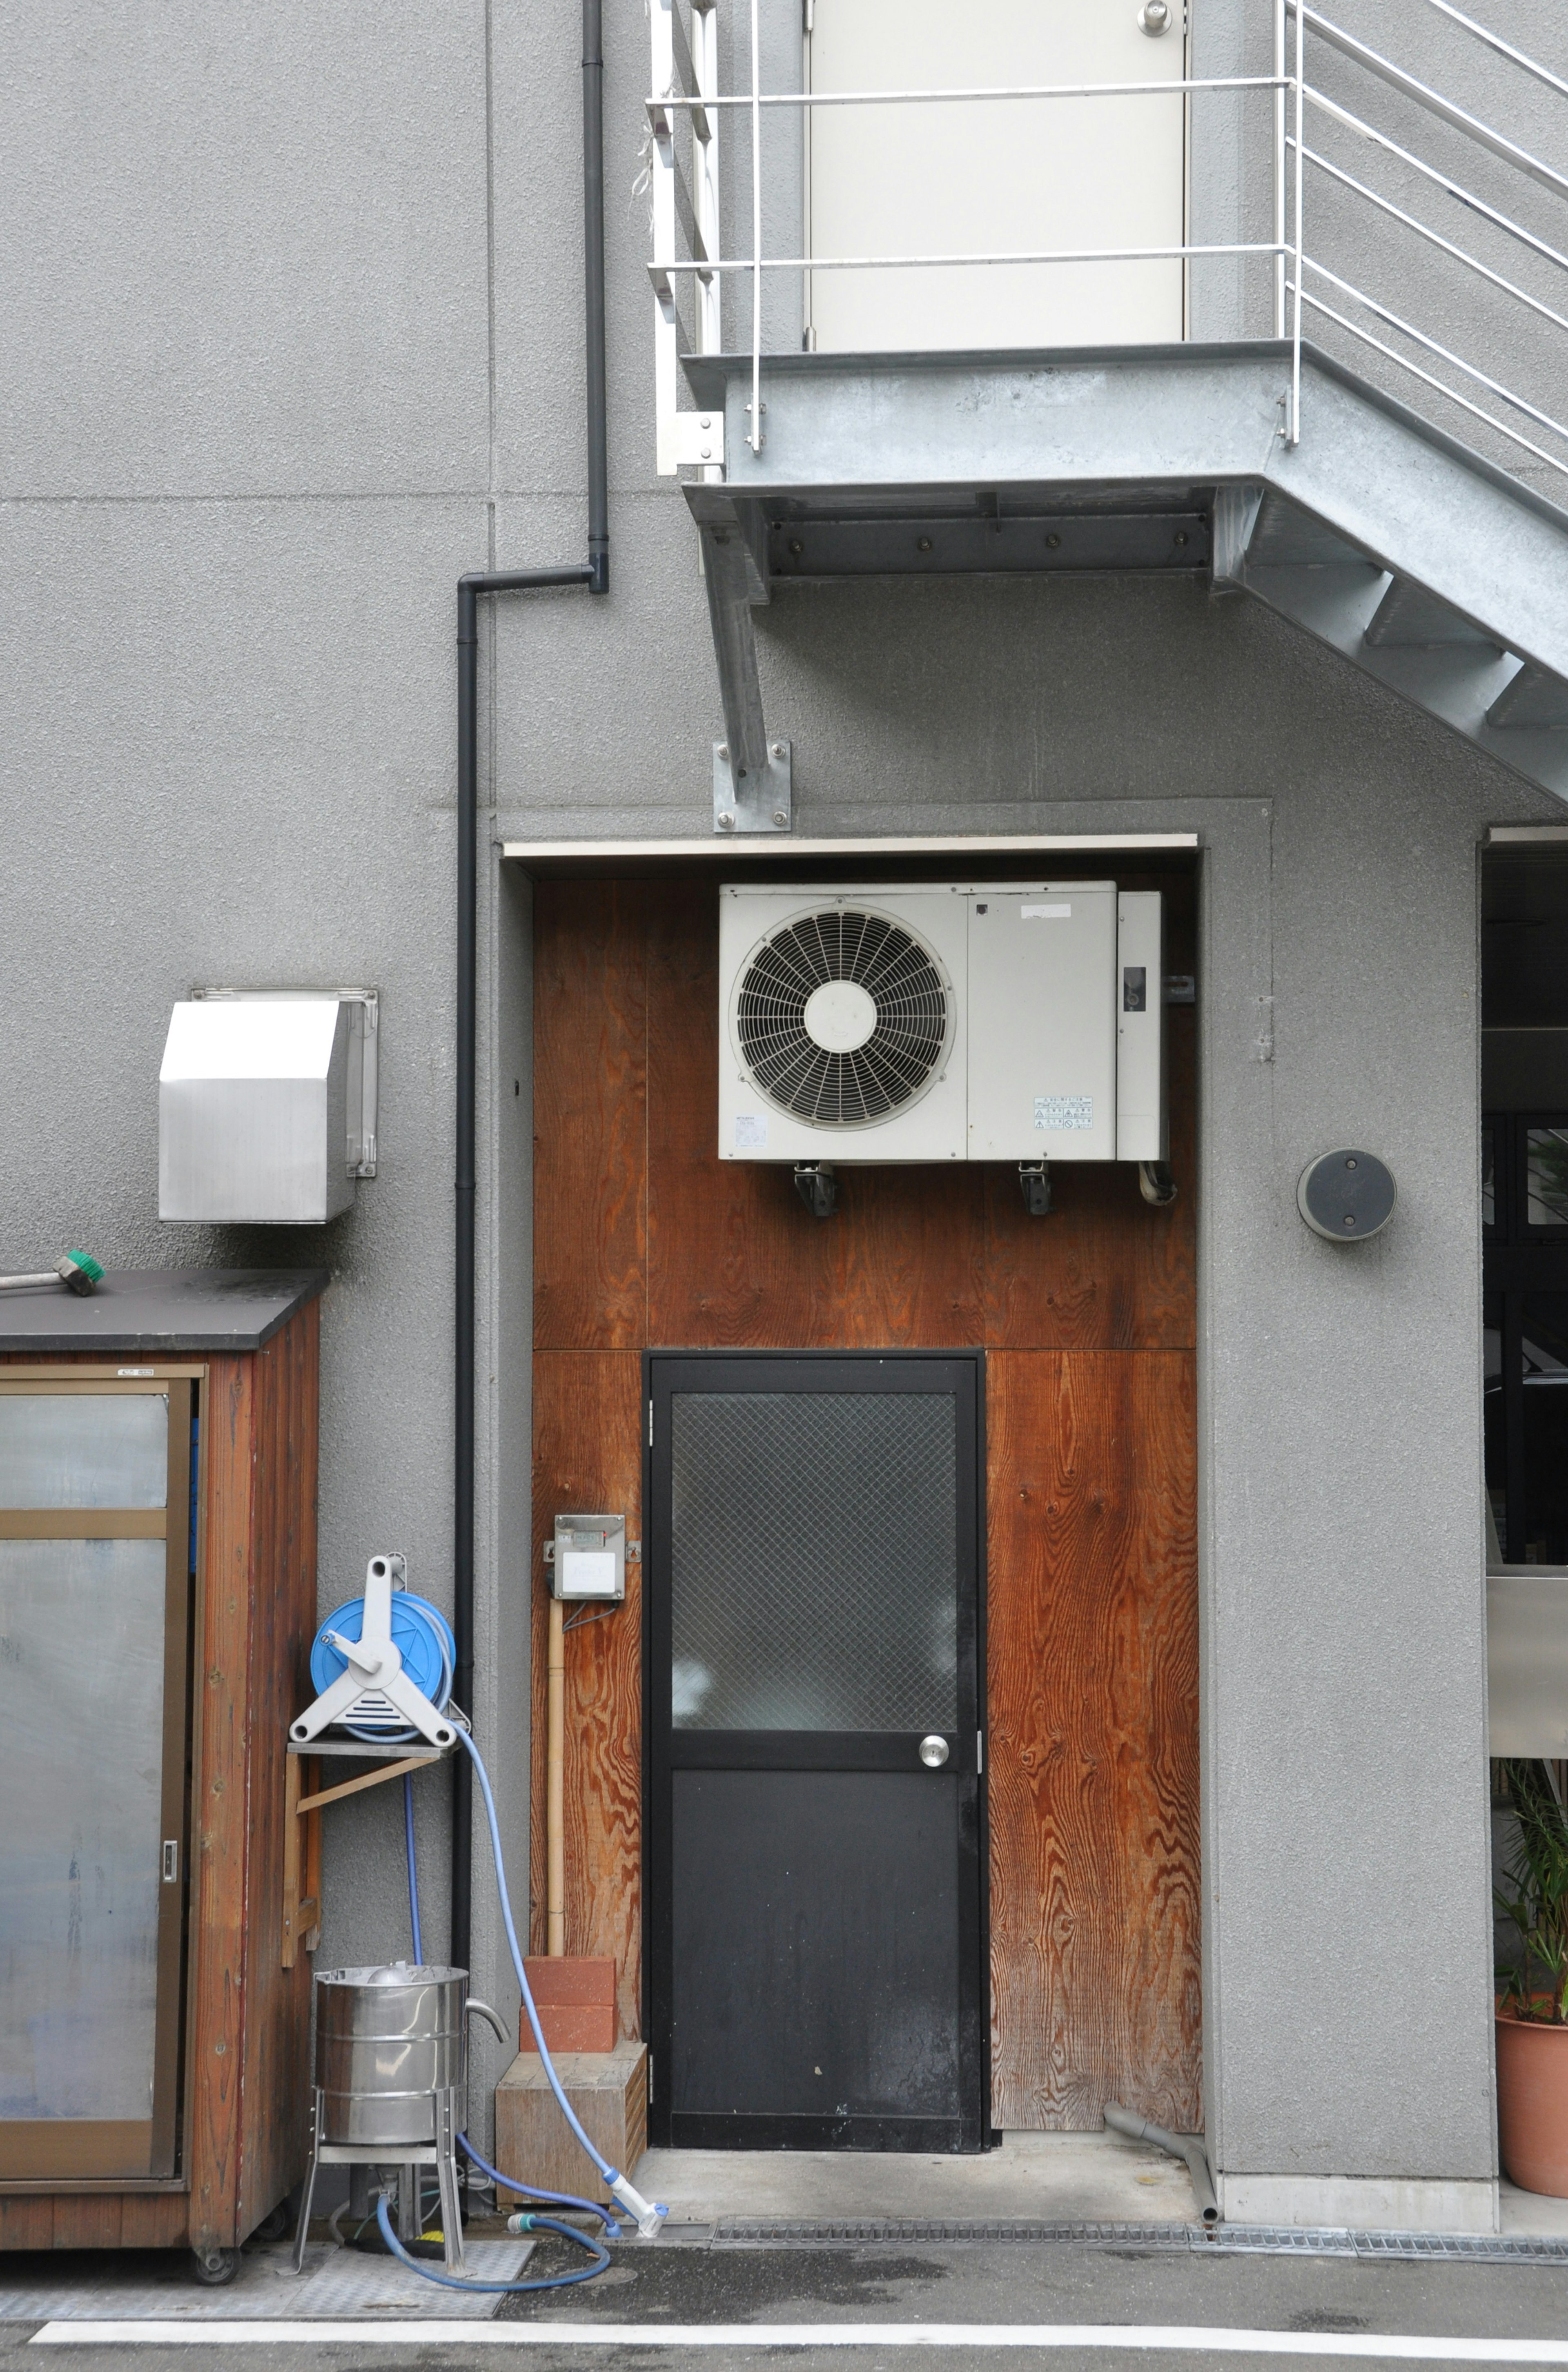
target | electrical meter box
x=588, y=1557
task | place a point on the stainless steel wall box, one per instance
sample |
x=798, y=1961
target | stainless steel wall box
x=267, y=1105
x=587, y=1557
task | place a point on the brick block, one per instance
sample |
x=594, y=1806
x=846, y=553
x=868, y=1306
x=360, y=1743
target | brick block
x=575, y=2000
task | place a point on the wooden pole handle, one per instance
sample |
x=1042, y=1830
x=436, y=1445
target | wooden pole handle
x=555, y=1788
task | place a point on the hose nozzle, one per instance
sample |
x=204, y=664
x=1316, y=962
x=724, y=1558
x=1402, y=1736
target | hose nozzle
x=649, y=2220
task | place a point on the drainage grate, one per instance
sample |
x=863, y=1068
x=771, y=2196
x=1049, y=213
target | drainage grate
x=857, y=2231
x=1462, y=2247
x=747, y=2231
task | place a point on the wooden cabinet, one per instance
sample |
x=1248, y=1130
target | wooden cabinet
x=157, y=1600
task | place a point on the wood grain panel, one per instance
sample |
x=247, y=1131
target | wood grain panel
x=1093, y=1678
x=150, y=2220
x=220, y=1811
x=91, y=2219
x=590, y=1033
x=97, y=2220
x=283, y=1577
x=28, y=2221
x=588, y=1454
x=1091, y=1314
x=735, y=1261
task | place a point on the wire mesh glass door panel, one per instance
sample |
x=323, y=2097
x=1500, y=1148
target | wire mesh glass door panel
x=814, y=1561
x=814, y=1800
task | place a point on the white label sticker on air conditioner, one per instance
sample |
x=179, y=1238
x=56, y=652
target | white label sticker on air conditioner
x=1044, y=913
x=1064, y=1111
x=750, y=1132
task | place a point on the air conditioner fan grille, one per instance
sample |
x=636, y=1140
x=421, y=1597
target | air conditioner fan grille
x=907, y=1041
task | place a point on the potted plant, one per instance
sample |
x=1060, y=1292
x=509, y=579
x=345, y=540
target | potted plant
x=1532, y=2018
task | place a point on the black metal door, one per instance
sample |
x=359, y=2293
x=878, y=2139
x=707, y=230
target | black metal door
x=814, y=1817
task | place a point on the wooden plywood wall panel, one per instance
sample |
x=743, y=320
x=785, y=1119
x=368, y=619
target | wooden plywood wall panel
x=1092, y=1656
x=588, y=1454
x=590, y=1042
x=645, y=1239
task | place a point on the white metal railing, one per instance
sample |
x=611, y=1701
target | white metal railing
x=687, y=105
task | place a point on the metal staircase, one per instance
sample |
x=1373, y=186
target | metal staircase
x=1430, y=568
x=1271, y=464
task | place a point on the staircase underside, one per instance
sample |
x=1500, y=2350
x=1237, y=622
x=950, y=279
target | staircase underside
x=1437, y=573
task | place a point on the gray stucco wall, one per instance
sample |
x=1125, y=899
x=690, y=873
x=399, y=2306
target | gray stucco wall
x=302, y=323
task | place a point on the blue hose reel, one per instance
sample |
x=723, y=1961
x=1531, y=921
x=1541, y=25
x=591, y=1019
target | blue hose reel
x=383, y=1667
x=422, y=1637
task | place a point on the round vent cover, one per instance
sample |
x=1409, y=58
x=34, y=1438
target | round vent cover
x=843, y=1017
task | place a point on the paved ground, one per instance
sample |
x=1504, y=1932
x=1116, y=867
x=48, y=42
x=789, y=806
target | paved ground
x=673, y=2303
x=1076, y=2177
x=1323, y=2310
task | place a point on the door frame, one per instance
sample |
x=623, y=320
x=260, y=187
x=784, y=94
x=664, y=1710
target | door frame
x=974, y=1981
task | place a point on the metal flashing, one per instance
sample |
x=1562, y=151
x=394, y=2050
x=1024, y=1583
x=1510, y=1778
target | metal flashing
x=553, y=852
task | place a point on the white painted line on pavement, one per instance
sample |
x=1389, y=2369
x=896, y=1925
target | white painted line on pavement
x=1187, y=2339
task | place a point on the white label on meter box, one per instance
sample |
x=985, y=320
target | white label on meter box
x=1044, y=913
x=1064, y=1111
x=588, y=1572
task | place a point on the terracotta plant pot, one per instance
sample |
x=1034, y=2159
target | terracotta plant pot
x=1532, y=2103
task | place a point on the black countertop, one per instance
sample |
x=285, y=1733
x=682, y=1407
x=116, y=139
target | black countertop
x=163, y=1310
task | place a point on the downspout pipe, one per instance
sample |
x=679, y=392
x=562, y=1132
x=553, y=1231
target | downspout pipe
x=1188, y=2147
x=479, y=585
x=593, y=295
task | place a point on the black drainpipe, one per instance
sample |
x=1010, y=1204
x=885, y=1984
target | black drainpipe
x=595, y=574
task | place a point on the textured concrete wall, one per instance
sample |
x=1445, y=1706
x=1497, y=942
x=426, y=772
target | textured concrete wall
x=301, y=306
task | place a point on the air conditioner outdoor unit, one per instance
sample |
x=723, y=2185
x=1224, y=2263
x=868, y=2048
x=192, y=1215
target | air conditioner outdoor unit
x=1015, y=1022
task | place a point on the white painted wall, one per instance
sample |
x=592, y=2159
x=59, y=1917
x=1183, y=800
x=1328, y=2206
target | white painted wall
x=1020, y=176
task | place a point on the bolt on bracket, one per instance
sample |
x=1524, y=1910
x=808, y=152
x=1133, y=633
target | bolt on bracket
x=753, y=798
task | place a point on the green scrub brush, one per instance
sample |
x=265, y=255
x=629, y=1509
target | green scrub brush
x=78, y=1273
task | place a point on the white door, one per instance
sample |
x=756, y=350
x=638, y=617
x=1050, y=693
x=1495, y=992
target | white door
x=1011, y=176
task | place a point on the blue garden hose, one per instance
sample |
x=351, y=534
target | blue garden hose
x=504, y=2181
x=526, y=2222
x=413, y=1869
x=646, y=2216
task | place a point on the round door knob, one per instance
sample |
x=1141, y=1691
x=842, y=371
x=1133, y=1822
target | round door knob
x=933, y=1752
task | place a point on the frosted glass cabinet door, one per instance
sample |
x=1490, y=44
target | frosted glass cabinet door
x=92, y=1725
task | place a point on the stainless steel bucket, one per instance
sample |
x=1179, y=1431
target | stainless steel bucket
x=388, y=2040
